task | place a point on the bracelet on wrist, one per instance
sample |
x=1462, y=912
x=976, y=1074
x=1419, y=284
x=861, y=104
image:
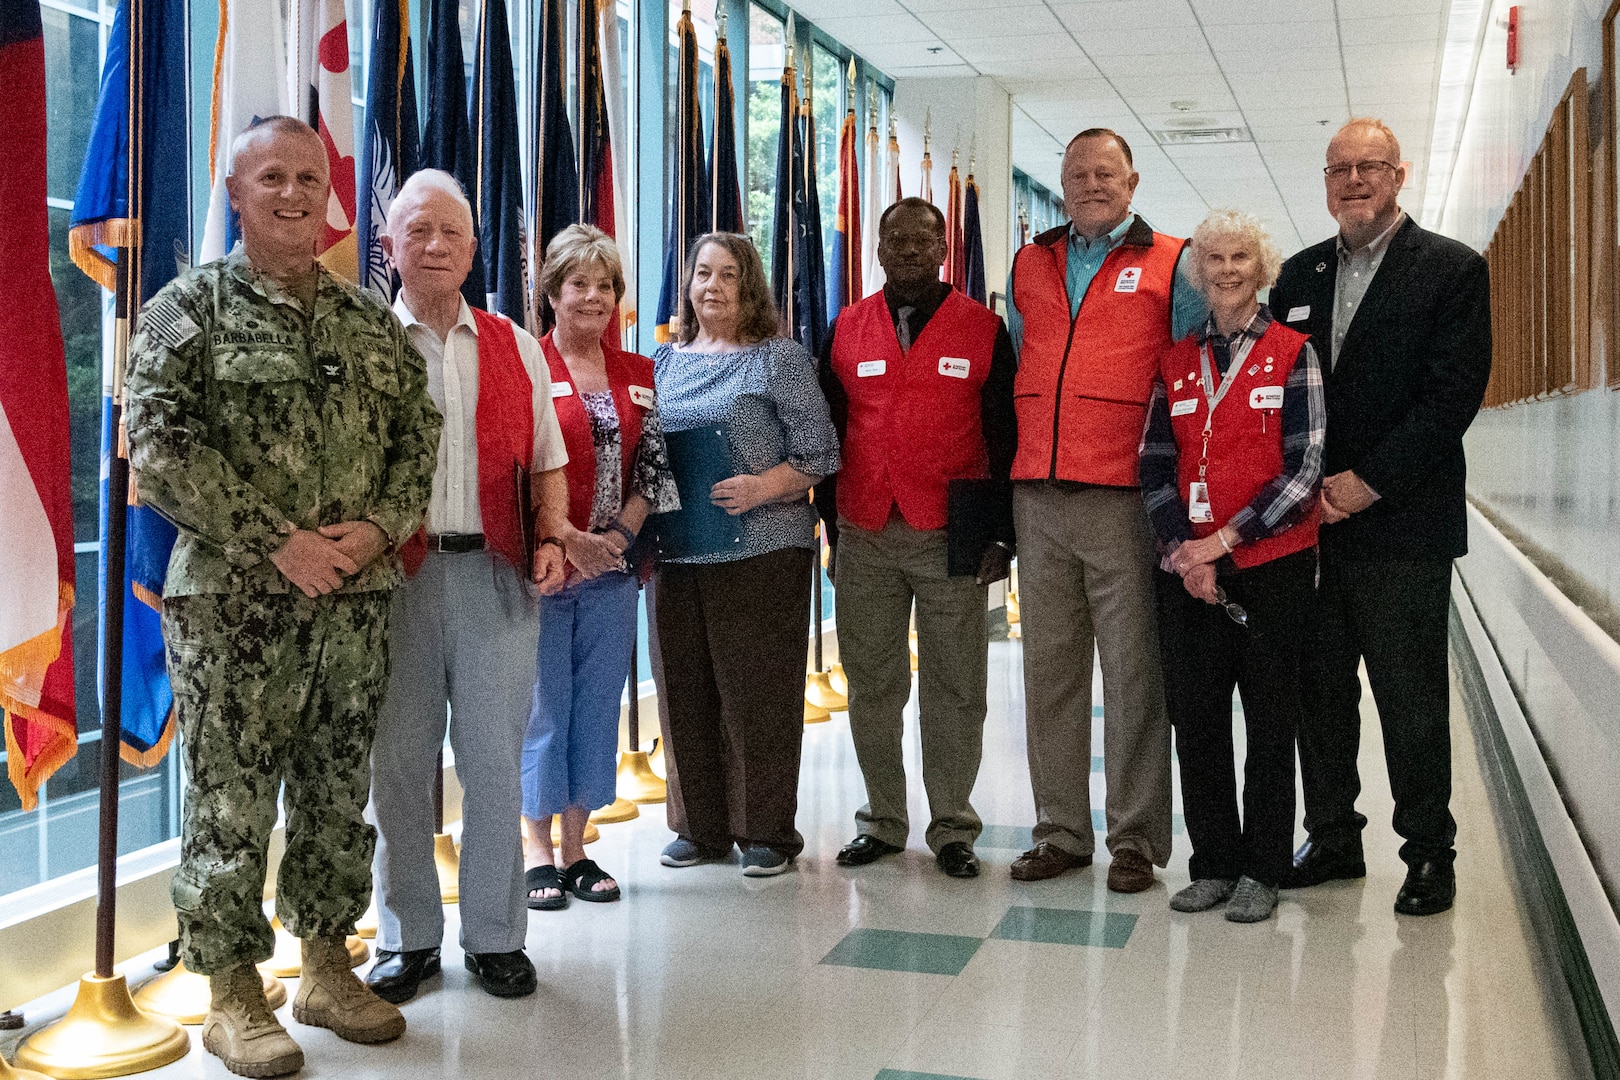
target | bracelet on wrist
x=549, y=540
x=623, y=530
x=1221, y=533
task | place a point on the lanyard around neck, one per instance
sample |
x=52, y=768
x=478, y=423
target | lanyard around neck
x=1240, y=353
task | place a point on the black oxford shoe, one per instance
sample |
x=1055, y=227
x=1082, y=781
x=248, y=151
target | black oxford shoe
x=1318, y=861
x=504, y=974
x=957, y=860
x=1430, y=888
x=396, y=976
x=865, y=849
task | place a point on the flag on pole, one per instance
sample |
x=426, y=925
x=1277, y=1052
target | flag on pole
x=36, y=512
x=893, y=186
x=618, y=136
x=556, y=193
x=809, y=271
x=690, y=209
x=146, y=51
x=972, y=240
x=250, y=83
x=955, y=268
x=927, y=187
x=845, y=286
x=875, y=205
x=725, y=190
x=323, y=97
x=392, y=138
x=447, y=141
x=597, y=189
x=498, y=179
x=784, y=222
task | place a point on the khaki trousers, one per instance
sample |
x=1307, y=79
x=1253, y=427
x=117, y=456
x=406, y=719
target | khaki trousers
x=879, y=574
x=1085, y=580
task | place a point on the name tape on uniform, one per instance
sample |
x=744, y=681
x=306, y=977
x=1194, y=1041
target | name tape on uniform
x=1266, y=397
x=642, y=396
x=1184, y=406
x=1297, y=313
x=954, y=366
x=867, y=368
x=562, y=389
x=1129, y=278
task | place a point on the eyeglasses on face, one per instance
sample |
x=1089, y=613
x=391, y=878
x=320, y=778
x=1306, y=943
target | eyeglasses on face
x=1366, y=169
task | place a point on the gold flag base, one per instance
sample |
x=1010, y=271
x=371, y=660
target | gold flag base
x=815, y=714
x=103, y=1034
x=592, y=833
x=447, y=860
x=288, y=959
x=1012, y=608
x=912, y=645
x=818, y=691
x=637, y=781
x=620, y=809
x=183, y=995
x=8, y=1073
x=656, y=758
x=839, y=681
x=366, y=925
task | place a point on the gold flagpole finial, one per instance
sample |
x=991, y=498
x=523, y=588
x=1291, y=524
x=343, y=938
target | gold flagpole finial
x=852, y=78
x=872, y=121
x=928, y=132
x=787, y=40
x=956, y=155
x=686, y=7
x=721, y=34
x=894, y=132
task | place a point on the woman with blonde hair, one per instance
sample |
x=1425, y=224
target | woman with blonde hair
x=733, y=625
x=1231, y=466
x=618, y=473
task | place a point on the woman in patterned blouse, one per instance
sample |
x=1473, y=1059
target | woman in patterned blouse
x=617, y=473
x=733, y=626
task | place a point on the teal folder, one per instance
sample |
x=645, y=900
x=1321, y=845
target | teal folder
x=700, y=458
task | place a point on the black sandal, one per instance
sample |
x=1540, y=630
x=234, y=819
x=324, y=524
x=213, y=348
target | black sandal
x=545, y=877
x=581, y=877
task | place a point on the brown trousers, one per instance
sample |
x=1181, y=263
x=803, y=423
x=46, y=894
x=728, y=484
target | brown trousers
x=732, y=639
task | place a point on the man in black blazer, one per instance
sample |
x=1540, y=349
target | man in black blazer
x=1401, y=319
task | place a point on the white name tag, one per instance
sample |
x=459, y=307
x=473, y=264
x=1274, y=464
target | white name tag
x=1128, y=279
x=642, y=396
x=1198, y=503
x=954, y=366
x=1297, y=313
x=867, y=368
x=1184, y=406
x=1266, y=397
x=562, y=389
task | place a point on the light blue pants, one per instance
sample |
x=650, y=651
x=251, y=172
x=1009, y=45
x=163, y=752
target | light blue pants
x=570, y=752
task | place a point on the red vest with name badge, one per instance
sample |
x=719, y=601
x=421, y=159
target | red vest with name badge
x=629, y=377
x=914, y=417
x=1083, y=382
x=1245, y=440
x=505, y=428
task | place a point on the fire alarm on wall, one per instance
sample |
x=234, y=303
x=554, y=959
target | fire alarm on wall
x=1513, y=38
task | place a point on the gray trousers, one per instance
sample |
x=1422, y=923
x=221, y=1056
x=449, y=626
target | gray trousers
x=464, y=630
x=1085, y=580
x=879, y=574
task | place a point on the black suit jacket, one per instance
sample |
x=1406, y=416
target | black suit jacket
x=1410, y=378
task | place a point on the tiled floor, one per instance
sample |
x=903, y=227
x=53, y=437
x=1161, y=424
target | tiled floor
x=896, y=972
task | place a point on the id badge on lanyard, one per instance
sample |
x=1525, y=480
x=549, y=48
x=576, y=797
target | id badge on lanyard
x=1198, y=508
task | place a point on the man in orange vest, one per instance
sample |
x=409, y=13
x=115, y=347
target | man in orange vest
x=1093, y=305
x=919, y=380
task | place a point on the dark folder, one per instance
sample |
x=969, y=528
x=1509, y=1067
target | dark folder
x=975, y=511
x=525, y=507
x=700, y=458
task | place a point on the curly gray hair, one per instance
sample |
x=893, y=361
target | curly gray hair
x=1246, y=230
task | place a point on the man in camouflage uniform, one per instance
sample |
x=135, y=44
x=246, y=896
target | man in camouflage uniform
x=279, y=417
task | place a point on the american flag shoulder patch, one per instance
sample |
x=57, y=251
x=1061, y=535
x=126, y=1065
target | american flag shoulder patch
x=165, y=322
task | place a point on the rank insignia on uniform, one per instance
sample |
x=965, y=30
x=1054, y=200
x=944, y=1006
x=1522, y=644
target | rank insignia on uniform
x=331, y=370
x=164, y=321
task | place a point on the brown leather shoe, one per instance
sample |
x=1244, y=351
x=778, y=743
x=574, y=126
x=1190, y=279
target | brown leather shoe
x=1046, y=860
x=1130, y=872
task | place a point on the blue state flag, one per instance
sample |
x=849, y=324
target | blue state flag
x=498, y=193
x=447, y=141
x=690, y=212
x=110, y=212
x=973, y=240
x=390, y=144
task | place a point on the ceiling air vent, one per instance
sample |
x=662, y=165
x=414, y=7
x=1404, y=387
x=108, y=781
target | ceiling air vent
x=1200, y=136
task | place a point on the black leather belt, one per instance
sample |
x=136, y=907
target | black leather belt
x=455, y=543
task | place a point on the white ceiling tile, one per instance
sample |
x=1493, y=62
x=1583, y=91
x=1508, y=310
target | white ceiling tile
x=1155, y=92
x=1303, y=61
x=1261, y=12
x=937, y=71
x=817, y=10
x=1294, y=33
x=1046, y=47
x=859, y=30
x=1145, y=15
x=1015, y=19
x=1168, y=40
x=1393, y=31
x=890, y=57
x=1367, y=9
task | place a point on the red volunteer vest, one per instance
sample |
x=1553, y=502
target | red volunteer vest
x=1245, y=440
x=1083, y=383
x=914, y=417
x=505, y=425
x=624, y=372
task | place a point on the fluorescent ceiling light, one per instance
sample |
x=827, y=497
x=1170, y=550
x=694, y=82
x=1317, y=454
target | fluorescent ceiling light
x=1465, y=26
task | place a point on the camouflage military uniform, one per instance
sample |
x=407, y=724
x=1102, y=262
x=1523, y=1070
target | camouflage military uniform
x=246, y=415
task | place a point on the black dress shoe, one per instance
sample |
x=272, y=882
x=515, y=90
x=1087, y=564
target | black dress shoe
x=957, y=860
x=1430, y=888
x=1318, y=861
x=865, y=849
x=504, y=974
x=396, y=976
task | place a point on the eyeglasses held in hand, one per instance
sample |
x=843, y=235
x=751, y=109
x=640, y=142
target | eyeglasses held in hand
x=1234, y=612
x=1365, y=169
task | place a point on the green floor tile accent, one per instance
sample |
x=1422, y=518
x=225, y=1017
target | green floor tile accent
x=902, y=950
x=1011, y=837
x=1099, y=822
x=901, y=1074
x=1063, y=926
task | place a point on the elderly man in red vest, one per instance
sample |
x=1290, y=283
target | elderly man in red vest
x=465, y=629
x=1094, y=304
x=919, y=380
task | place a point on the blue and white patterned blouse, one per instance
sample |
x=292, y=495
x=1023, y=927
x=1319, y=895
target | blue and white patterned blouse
x=769, y=400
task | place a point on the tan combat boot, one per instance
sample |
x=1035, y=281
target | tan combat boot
x=330, y=995
x=242, y=1031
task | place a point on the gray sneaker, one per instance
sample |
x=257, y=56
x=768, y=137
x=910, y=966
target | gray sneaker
x=683, y=852
x=1252, y=902
x=760, y=861
x=1202, y=894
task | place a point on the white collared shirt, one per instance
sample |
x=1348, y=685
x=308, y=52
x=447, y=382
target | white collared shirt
x=452, y=376
x=1356, y=272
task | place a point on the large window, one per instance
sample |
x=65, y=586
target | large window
x=827, y=99
x=766, y=54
